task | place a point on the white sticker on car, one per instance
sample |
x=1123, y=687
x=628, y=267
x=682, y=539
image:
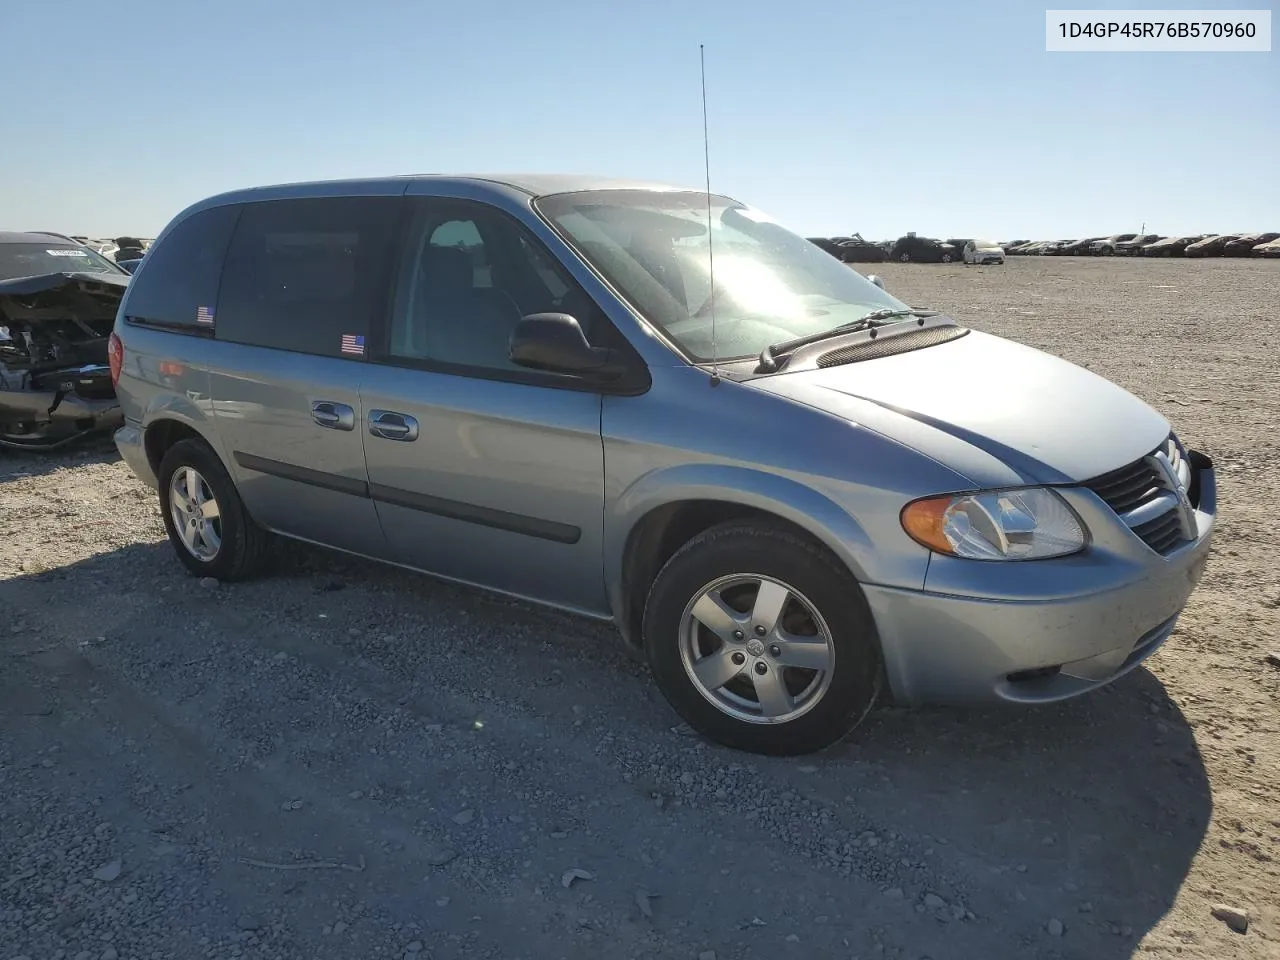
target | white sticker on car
x=67, y=253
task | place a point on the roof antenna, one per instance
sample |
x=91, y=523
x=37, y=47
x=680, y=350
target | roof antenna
x=711, y=259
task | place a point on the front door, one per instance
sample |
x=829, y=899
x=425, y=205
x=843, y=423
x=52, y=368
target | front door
x=480, y=470
x=303, y=281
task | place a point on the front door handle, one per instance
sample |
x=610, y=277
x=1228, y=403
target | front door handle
x=335, y=416
x=392, y=426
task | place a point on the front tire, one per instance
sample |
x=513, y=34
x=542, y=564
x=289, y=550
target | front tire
x=762, y=641
x=208, y=525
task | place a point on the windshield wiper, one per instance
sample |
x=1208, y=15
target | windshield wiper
x=771, y=354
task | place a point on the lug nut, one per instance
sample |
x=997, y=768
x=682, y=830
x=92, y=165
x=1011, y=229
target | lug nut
x=738, y=634
x=739, y=659
x=759, y=630
x=775, y=650
x=761, y=668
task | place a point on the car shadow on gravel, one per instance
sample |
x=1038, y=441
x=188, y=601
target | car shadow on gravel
x=1079, y=819
x=17, y=464
x=1088, y=813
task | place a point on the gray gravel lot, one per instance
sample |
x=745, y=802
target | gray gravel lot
x=344, y=760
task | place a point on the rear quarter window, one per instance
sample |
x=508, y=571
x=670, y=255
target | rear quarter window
x=309, y=275
x=177, y=285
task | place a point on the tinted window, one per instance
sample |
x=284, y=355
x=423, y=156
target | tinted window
x=470, y=273
x=181, y=272
x=308, y=275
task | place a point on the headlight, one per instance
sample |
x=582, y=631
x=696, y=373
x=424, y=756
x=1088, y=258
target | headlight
x=1033, y=523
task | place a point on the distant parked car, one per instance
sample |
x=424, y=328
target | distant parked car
x=1270, y=249
x=911, y=248
x=1106, y=247
x=983, y=251
x=1244, y=246
x=1076, y=248
x=1170, y=246
x=1211, y=246
x=823, y=243
x=857, y=250
x=1055, y=248
x=1132, y=248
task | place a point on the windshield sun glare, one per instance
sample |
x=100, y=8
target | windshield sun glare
x=770, y=284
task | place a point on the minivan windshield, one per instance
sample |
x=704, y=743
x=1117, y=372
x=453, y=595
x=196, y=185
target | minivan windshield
x=38, y=259
x=770, y=284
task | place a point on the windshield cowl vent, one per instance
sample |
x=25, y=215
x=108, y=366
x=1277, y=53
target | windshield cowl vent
x=887, y=346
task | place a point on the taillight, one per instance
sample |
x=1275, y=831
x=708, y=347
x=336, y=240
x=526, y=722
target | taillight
x=115, y=357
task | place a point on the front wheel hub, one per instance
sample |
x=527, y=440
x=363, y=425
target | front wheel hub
x=732, y=675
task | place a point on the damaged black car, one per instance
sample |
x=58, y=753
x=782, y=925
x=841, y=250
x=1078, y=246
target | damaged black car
x=58, y=302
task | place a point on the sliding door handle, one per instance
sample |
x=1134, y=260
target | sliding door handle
x=390, y=425
x=335, y=416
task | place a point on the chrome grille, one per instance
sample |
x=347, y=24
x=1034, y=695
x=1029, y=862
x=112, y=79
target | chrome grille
x=1150, y=499
x=1129, y=487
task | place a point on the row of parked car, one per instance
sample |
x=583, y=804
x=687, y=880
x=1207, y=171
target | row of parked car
x=1152, y=245
x=911, y=248
x=126, y=251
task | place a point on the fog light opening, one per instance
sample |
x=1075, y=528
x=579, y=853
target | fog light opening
x=1037, y=673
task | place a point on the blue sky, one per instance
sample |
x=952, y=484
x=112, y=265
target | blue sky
x=948, y=118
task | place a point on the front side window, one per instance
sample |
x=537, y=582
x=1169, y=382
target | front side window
x=470, y=273
x=308, y=275
x=56, y=256
x=770, y=284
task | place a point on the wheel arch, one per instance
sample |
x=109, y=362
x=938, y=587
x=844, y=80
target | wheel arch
x=665, y=510
x=165, y=427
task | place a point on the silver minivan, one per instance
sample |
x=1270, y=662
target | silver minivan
x=793, y=492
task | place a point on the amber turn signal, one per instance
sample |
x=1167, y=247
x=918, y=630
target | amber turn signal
x=924, y=519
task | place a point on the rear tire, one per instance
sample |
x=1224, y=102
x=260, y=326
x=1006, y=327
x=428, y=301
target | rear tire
x=221, y=541
x=795, y=604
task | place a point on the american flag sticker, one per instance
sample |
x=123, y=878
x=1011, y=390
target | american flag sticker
x=351, y=343
x=204, y=314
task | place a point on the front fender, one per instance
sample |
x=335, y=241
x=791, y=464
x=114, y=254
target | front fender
x=807, y=508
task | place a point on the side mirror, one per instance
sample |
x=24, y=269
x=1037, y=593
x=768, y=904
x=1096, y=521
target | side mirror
x=876, y=280
x=555, y=342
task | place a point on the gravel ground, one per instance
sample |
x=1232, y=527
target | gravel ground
x=342, y=760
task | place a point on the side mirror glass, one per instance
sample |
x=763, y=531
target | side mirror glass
x=876, y=280
x=555, y=342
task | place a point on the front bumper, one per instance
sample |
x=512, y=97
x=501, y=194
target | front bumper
x=42, y=419
x=1040, y=631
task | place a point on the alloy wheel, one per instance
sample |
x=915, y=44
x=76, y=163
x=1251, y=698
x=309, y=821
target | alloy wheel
x=195, y=513
x=757, y=649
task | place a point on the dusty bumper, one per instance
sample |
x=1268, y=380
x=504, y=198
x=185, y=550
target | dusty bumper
x=129, y=441
x=39, y=418
x=948, y=648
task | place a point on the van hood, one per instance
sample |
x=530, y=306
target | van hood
x=996, y=411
